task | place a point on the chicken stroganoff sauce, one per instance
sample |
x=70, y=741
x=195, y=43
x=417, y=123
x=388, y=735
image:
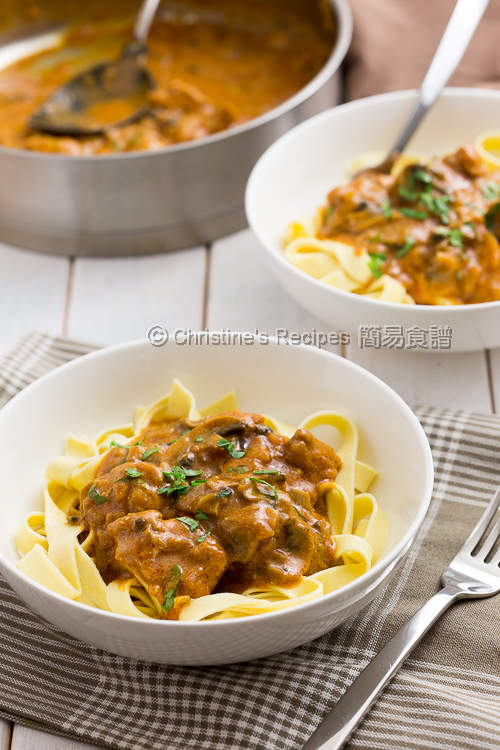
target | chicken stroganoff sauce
x=193, y=515
x=214, y=67
x=428, y=233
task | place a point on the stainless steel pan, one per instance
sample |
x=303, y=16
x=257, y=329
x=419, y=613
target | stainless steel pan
x=149, y=202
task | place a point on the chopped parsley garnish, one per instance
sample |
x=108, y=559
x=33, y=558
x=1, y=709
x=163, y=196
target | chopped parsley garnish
x=199, y=439
x=179, y=484
x=114, y=444
x=489, y=217
x=455, y=236
x=237, y=469
x=269, y=471
x=422, y=176
x=231, y=449
x=140, y=442
x=197, y=482
x=491, y=190
x=202, y=538
x=386, y=209
x=186, y=431
x=224, y=492
x=265, y=490
x=202, y=516
x=132, y=473
x=329, y=211
x=95, y=496
x=407, y=194
x=376, y=237
x=189, y=522
x=438, y=204
x=413, y=213
x=376, y=262
x=149, y=453
x=172, y=590
x=409, y=244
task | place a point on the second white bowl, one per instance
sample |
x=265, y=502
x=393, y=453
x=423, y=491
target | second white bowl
x=294, y=176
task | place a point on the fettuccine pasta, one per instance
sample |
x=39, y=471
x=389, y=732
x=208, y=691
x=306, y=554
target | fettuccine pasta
x=65, y=549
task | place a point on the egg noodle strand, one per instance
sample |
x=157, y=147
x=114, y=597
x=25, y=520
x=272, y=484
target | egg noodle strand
x=52, y=554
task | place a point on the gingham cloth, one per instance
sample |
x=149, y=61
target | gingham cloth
x=445, y=696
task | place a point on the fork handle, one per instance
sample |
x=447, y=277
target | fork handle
x=341, y=722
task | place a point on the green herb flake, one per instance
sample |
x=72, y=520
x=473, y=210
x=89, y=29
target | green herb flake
x=132, y=473
x=186, y=431
x=489, y=217
x=263, y=473
x=376, y=262
x=386, y=209
x=197, y=482
x=409, y=244
x=149, y=453
x=192, y=472
x=413, y=213
x=201, y=516
x=329, y=211
x=438, y=204
x=171, y=592
x=265, y=491
x=140, y=442
x=115, y=444
x=491, y=191
x=455, y=236
x=189, y=522
x=224, y=492
x=231, y=449
x=199, y=439
x=376, y=237
x=422, y=176
x=95, y=496
x=202, y=538
x=407, y=194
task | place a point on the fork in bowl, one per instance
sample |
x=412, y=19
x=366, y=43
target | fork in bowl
x=473, y=573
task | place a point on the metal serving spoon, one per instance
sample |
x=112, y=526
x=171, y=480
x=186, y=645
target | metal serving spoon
x=455, y=40
x=106, y=95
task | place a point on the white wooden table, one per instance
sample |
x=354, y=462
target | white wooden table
x=223, y=286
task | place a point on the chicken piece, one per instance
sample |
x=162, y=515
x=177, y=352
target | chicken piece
x=149, y=547
x=316, y=460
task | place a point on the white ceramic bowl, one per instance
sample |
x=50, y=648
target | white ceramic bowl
x=102, y=389
x=295, y=174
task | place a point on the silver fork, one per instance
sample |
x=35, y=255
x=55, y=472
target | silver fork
x=473, y=573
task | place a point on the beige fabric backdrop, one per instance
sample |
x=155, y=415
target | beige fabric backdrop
x=394, y=41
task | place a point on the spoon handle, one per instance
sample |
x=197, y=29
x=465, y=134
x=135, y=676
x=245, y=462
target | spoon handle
x=144, y=20
x=455, y=40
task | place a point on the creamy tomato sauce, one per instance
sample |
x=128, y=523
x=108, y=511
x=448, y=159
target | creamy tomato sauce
x=435, y=227
x=219, y=504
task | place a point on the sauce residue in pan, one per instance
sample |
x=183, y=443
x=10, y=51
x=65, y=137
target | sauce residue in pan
x=214, y=67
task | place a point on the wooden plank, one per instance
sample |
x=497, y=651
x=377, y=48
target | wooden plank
x=25, y=738
x=456, y=381
x=243, y=294
x=117, y=299
x=5, y=734
x=33, y=293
